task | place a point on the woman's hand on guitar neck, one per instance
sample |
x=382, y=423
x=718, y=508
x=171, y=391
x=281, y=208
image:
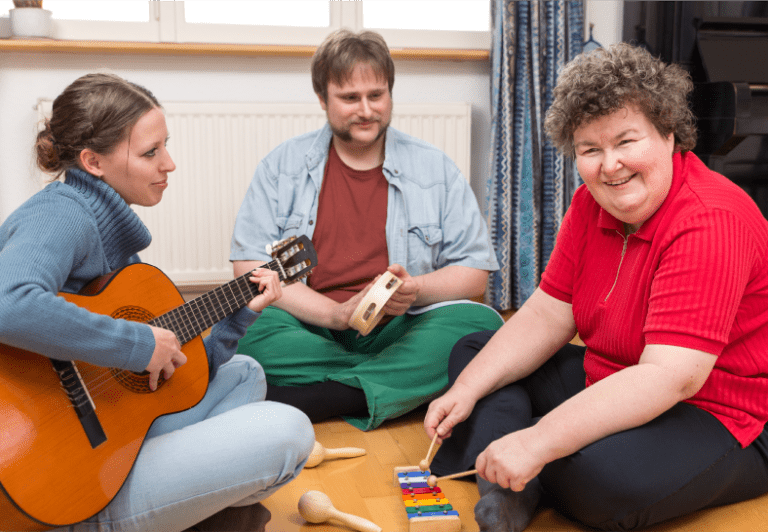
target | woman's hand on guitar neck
x=269, y=286
x=166, y=357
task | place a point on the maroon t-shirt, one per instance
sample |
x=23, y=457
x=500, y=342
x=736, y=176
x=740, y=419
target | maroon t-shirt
x=350, y=235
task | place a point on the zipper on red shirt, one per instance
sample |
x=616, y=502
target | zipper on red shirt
x=618, y=270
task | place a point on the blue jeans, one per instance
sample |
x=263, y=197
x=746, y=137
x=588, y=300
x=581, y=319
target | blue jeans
x=231, y=449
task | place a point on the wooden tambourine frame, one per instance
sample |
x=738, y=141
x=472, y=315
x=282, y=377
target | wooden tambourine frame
x=368, y=313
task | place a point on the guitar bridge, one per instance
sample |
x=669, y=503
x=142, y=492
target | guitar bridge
x=73, y=385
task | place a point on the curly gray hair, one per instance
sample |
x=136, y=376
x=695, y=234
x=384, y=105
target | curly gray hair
x=605, y=80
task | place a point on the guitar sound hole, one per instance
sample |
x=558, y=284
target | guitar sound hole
x=135, y=382
x=132, y=313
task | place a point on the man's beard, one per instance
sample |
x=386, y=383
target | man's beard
x=346, y=135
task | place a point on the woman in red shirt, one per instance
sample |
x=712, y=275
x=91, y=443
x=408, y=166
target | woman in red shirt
x=661, y=265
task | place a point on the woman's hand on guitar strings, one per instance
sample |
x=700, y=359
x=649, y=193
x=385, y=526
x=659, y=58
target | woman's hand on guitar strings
x=269, y=286
x=166, y=357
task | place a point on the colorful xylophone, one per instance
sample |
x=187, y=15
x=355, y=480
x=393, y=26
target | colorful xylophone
x=427, y=508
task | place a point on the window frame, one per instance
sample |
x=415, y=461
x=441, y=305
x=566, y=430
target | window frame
x=107, y=30
x=253, y=34
x=166, y=24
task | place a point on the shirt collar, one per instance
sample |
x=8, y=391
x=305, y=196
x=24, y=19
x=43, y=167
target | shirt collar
x=318, y=152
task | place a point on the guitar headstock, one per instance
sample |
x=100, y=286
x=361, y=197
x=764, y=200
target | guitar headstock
x=296, y=256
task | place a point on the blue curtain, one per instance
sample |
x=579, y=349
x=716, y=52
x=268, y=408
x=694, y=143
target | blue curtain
x=530, y=185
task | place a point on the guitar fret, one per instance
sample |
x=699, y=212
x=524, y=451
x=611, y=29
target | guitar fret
x=228, y=294
x=180, y=328
x=204, y=304
x=190, y=310
x=193, y=321
x=177, y=325
x=160, y=321
x=214, y=302
x=194, y=314
x=225, y=299
x=211, y=316
x=244, y=293
x=192, y=318
x=207, y=307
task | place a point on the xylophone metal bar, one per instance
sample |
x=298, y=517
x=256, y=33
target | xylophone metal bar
x=427, y=508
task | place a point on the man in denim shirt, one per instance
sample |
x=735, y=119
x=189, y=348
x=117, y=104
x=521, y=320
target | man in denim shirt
x=371, y=199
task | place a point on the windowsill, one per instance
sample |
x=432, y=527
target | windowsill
x=125, y=47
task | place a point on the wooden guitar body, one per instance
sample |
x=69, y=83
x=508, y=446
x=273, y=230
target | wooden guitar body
x=70, y=431
x=50, y=473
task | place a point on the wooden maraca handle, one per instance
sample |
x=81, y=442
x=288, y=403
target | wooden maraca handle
x=355, y=521
x=316, y=507
x=344, y=452
x=320, y=453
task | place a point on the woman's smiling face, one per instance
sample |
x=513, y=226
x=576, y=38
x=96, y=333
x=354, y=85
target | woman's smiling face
x=138, y=167
x=625, y=163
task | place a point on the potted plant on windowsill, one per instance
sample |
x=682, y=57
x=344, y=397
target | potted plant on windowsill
x=29, y=19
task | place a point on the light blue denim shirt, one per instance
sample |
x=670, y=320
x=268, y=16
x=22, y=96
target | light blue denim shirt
x=433, y=219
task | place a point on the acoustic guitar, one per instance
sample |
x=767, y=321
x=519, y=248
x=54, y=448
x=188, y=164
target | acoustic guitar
x=69, y=431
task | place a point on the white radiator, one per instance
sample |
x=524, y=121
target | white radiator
x=216, y=147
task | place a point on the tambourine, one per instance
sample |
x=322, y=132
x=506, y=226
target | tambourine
x=368, y=313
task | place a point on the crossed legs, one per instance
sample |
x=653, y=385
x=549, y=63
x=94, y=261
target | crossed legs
x=680, y=462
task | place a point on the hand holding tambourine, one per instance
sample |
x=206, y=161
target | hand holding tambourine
x=369, y=312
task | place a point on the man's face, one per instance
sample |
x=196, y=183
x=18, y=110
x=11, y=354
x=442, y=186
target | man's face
x=359, y=110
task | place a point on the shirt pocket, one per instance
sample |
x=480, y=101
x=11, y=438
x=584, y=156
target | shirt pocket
x=424, y=245
x=288, y=225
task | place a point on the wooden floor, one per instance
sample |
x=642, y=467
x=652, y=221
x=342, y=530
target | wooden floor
x=363, y=486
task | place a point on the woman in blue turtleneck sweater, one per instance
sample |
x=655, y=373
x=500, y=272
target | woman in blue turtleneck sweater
x=108, y=137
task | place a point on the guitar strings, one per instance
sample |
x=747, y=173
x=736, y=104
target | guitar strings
x=100, y=380
x=210, y=306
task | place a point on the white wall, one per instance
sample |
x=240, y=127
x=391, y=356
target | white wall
x=607, y=16
x=24, y=77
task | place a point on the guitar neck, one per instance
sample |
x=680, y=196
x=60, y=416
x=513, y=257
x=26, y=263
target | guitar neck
x=193, y=317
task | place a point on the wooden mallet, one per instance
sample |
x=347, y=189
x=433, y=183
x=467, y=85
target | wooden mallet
x=316, y=507
x=433, y=480
x=424, y=464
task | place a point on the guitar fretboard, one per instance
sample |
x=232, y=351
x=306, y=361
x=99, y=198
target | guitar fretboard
x=193, y=317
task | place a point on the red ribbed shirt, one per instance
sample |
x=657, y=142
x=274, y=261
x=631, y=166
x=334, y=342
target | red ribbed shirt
x=694, y=275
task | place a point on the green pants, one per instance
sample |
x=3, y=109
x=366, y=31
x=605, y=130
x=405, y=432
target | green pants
x=399, y=365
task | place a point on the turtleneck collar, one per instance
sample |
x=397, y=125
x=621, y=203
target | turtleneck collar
x=122, y=232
